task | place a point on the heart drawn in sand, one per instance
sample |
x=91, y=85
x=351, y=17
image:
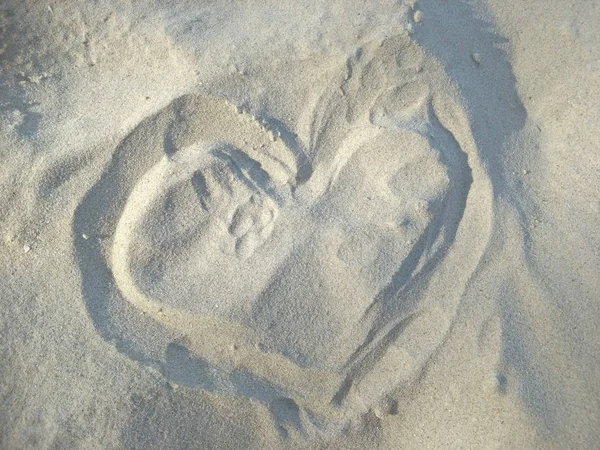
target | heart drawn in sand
x=236, y=259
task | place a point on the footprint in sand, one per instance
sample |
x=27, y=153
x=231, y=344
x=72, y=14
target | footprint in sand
x=302, y=277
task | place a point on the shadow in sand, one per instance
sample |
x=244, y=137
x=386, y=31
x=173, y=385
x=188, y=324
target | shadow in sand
x=488, y=89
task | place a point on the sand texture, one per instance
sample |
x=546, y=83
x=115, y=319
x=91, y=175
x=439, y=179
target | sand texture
x=299, y=225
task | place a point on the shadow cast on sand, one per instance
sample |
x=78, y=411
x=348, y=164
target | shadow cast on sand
x=488, y=87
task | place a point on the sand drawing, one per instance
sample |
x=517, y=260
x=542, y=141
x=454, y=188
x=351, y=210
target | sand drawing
x=215, y=242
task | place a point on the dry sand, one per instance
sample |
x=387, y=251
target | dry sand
x=300, y=224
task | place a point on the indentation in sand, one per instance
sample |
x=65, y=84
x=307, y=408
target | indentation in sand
x=304, y=280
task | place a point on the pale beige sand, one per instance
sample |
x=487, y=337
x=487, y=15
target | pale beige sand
x=300, y=224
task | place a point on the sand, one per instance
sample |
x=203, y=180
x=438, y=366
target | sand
x=300, y=224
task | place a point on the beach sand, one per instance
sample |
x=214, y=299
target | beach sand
x=299, y=224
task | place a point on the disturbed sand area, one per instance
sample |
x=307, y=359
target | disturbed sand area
x=294, y=225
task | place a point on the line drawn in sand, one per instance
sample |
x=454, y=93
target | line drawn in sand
x=316, y=279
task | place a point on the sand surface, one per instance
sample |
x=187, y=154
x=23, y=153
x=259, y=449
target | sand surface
x=288, y=224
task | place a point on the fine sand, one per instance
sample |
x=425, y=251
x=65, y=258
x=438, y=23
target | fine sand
x=300, y=224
